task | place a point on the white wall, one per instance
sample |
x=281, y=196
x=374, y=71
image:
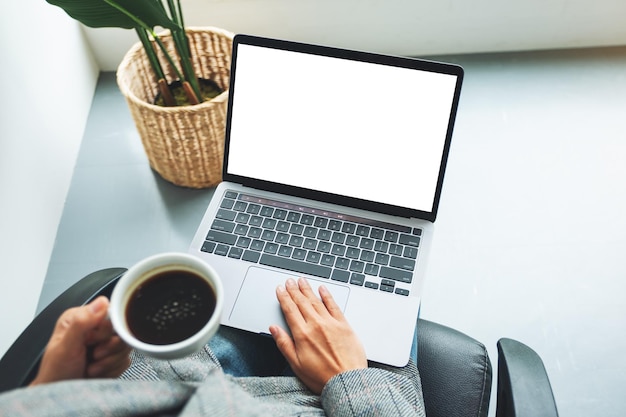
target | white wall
x=47, y=81
x=406, y=27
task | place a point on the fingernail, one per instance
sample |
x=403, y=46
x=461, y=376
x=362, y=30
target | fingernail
x=280, y=288
x=290, y=282
x=97, y=305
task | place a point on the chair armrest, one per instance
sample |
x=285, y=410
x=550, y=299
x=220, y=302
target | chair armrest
x=524, y=388
x=455, y=371
x=19, y=365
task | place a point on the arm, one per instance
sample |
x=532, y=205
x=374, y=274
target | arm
x=328, y=357
x=323, y=343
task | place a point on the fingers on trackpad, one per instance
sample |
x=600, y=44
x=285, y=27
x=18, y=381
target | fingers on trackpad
x=257, y=308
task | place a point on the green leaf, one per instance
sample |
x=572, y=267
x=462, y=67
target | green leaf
x=98, y=13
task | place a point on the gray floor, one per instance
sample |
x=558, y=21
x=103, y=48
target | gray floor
x=531, y=233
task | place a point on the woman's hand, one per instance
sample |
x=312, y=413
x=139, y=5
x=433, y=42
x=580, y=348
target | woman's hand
x=323, y=343
x=83, y=345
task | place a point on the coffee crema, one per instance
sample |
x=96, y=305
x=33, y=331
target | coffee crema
x=170, y=307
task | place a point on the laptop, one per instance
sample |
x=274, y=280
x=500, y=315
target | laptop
x=333, y=167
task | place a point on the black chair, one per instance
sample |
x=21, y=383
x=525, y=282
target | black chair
x=455, y=369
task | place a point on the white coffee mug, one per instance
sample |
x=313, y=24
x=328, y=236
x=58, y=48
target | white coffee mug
x=168, y=269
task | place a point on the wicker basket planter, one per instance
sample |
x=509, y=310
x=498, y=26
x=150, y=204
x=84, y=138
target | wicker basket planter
x=185, y=144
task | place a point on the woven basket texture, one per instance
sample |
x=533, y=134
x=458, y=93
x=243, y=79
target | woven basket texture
x=184, y=144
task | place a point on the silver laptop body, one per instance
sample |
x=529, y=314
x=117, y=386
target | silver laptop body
x=333, y=168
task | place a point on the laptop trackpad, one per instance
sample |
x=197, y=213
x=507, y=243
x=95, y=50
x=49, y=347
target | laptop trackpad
x=257, y=308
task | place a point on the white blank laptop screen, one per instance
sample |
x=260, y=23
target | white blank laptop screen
x=352, y=128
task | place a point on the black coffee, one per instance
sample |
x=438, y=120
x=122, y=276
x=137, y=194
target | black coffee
x=170, y=307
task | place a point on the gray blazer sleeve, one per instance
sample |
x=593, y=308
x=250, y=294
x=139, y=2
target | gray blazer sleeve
x=373, y=391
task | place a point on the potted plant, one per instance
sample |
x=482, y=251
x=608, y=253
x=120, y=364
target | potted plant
x=175, y=83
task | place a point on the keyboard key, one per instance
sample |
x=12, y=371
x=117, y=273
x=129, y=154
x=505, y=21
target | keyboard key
x=268, y=235
x=243, y=242
x=381, y=246
x=271, y=248
x=352, y=240
x=256, y=221
x=353, y=253
x=386, y=288
x=402, y=291
x=369, y=284
x=409, y=240
x=251, y=256
x=321, y=222
x=395, y=249
x=282, y=226
x=367, y=244
x=242, y=218
x=221, y=250
x=310, y=244
x=324, y=247
x=417, y=232
x=338, y=238
x=348, y=228
x=240, y=206
x=313, y=257
x=357, y=279
x=410, y=252
x=334, y=225
x=241, y=229
x=266, y=211
x=285, y=251
x=280, y=214
x=402, y=263
x=307, y=219
x=362, y=230
x=296, y=229
x=342, y=263
x=282, y=238
x=338, y=250
x=296, y=266
x=357, y=266
x=220, y=237
x=342, y=276
x=253, y=209
x=328, y=260
x=388, y=282
x=227, y=203
x=269, y=223
x=293, y=217
x=396, y=274
x=324, y=235
x=235, y=253
x=382, y=259
x=208, y=247
x=371, y=269
x=230, y=194
x=299, y=254
x=310, y=231
x=377, y=233
x=391, y=236
x=296, y=241
x=255, y=232
x=257, y=245
x=225, y=215
x=367, y=256
x=223, y=226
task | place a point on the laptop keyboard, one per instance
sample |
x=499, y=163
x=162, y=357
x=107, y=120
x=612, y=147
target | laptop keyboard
x=305, y=240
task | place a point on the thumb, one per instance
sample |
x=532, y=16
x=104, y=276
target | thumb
x=284, y=343
x=75, y=324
